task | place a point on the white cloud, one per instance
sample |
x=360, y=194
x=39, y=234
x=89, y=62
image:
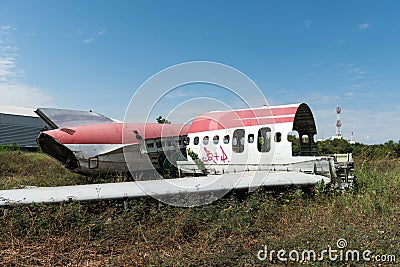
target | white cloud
x=12, y=91
x=363, y=26
x=337, y=42
x=318, y=98
x=89, y=40
x=8, y=53
x=358, y=73
x=349, y=94
x=92, y=37
x=21, y=95
x=359, y=77
x=7, y=27
x=360, y=95
x=176, y=93
x=356, y=70
x=356, y=85
x=7, y=68
x=369, y=127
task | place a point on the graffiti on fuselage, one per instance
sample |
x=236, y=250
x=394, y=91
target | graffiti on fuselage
x=215, y=157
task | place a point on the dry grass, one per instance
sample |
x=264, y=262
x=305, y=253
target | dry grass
x=228, y=232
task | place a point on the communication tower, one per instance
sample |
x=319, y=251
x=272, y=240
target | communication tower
x=352, y=139
x=338, y=122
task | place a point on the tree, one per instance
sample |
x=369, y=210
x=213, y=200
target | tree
x=334, y=146
x=162, y=120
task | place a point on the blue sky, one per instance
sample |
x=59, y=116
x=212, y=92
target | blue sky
x=95, y=54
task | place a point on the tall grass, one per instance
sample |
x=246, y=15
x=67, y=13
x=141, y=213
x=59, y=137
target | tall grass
x=19, y=169
x=228, y=232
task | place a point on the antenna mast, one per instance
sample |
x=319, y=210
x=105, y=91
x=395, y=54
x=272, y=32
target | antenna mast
x=338, y=122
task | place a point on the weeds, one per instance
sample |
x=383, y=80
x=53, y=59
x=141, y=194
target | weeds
x=228, y=232
x=10, y=147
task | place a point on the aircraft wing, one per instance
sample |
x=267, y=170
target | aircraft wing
x=64, y=118
x=162, y=189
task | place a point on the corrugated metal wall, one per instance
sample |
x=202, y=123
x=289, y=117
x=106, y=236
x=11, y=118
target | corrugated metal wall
x=20, y=130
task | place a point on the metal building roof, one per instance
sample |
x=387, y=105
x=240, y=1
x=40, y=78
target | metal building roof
x=18, y=111
x=19, y=126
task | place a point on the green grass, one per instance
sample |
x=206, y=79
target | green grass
x=20, y=169
x=228, y=232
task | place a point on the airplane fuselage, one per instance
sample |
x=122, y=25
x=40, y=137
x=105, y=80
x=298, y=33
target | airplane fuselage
x=224, y=141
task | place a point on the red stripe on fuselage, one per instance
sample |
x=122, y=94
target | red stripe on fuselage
x=265, y=112
x=242, y=118
x=116, y=133
x=113, y=133
x=207, y=125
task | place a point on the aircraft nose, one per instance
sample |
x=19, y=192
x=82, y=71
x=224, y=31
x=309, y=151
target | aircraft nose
x=55, y=149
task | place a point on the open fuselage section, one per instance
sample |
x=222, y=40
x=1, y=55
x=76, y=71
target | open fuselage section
x=253, y=139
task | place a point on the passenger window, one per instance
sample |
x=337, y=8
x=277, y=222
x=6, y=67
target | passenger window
x=205, y=140
x=264, y=139
x=315, y=138
x=250, y=138
x=278, y=137
x=158, y=143
x=150, y=144
x=216, y=140
x=305, y=139
x=293, y=137
x=238, y=141
x=196, y=140
x=226, y=139
x=186, y=140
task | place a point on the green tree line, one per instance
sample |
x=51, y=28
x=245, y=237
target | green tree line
x=389, y=149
